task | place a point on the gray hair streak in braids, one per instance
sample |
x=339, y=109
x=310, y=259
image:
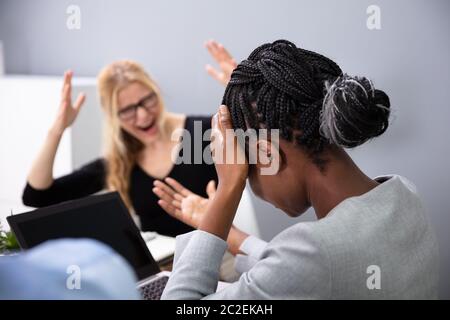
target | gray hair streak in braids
x=353, y=111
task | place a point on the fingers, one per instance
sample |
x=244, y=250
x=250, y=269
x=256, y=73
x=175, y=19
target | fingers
x=80, y=100
x=164, y=187
x=176, y=204
x=225, y=118
x=163, y=195
x=69, y=83
x=211, y=45
x=170, y=209
x=65, y=97
x=211, y=189
x=218, y=51
x=215, y=122
x=222, y=120
x=178, y=187
x=216, y=138
x=65, y=80
x=213, y=72
x=223, y=58
x=224, y=142
x=173, y=194
x=164, y=192
x=226, y=57
x=222, y=51
x=66, y=92
x=178, y=197
x=229, y=66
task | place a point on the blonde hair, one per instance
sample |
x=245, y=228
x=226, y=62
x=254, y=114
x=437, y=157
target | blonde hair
x=120, y=148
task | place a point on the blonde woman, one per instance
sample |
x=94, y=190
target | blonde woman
x=138, y=146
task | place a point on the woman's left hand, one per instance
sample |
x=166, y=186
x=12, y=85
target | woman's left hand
x=190, y=208
x=181, y=203
x=223, y=58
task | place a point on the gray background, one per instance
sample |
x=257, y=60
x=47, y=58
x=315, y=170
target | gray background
x=408, y=58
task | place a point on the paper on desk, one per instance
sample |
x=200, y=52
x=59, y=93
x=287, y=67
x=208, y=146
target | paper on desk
x=161, y=247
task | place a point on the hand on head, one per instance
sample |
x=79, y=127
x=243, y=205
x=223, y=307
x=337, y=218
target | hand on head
x=229, y=158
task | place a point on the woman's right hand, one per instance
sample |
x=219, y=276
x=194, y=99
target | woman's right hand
x=229, y=157
x=67, y=112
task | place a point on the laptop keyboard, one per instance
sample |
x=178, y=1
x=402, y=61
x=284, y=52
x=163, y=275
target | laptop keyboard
x=154, y=289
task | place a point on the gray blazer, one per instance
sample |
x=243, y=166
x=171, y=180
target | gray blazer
x=376, y=246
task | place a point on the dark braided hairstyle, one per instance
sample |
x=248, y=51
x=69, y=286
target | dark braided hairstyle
x=306, y=96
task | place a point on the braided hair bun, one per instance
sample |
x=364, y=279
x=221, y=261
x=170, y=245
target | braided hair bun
x=353, y=111
x=306, y=96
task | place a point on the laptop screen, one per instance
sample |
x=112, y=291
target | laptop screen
x=101, y=217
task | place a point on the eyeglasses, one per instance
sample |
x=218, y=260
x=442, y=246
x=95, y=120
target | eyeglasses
x=149, y=103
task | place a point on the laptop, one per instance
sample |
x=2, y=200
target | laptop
x=101, y=217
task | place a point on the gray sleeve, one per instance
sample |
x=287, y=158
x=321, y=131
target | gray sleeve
x=253, y=249
x=197, y=260
x=292, y=266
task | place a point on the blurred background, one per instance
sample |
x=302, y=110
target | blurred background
x=408, y=58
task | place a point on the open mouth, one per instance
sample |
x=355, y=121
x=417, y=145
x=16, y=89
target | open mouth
x=148, y=128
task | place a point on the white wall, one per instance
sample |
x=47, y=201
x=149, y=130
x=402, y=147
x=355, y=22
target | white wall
x=28, y=105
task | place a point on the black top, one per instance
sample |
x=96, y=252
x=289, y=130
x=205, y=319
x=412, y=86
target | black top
x=90, y=179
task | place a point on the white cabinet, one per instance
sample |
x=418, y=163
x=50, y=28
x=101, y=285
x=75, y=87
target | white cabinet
x=28, y=106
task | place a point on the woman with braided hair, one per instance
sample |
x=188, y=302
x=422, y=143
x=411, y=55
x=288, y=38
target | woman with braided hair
x=372, y=239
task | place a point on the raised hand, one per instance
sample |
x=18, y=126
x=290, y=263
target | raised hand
x=181, y=203
x=224, y=59
x=67, y=112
